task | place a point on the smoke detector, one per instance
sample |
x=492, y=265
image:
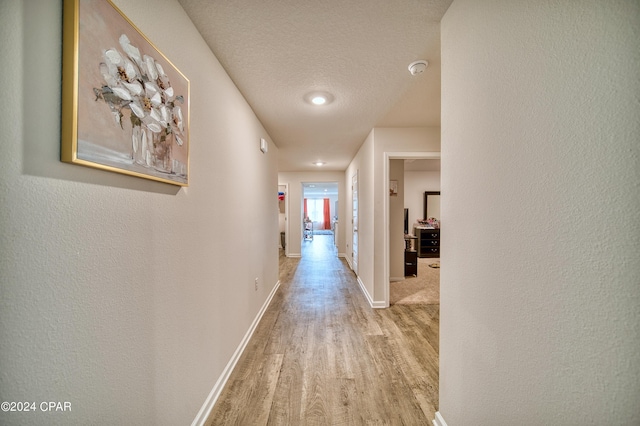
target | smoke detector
x=418, y=67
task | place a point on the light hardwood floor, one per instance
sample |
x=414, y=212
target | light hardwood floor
x=322, y=356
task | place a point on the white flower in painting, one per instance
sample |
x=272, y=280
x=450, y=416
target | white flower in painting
x=138, y=82
x=137, y=109
x=131, y=51
x=150, y=63
x=152, y=91
x=157, y=116
x=134, y=88
x=122, y=93
x=130, y=70
x=161, y=73
x=108, y=76
x=113, y=57
x=169, y=93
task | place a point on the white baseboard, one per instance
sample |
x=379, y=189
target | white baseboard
x=342, y=255
x=294, y=255
x=348, y=259
x=439, y=421
x=364, y=291
x=396, y=279
x=372, y=303
x=206, y=408
x=379, y=305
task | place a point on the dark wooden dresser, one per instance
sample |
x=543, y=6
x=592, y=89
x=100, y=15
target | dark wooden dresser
x=428, y=242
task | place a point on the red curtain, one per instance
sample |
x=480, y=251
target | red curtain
x=327, y=214
x=306, y=215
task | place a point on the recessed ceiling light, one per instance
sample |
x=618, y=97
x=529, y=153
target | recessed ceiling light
x=319, y=163
x=318, y=98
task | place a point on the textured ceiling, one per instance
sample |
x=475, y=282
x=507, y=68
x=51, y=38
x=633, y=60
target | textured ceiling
x=320, y=189
x=278, y=51
x=422, y=165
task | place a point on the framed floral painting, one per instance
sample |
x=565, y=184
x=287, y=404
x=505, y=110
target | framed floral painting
x=125, y=106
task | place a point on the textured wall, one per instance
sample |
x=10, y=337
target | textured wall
x=122, y=296
x=362, y=165
x=540, y=282
x=415, y=184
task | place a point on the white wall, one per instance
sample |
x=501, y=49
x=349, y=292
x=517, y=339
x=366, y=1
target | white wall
x=362, y=165
x=540, y=300
x=295, y=181
x=123, y=296
x=415, y=185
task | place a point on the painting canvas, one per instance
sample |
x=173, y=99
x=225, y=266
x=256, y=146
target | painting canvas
x=393, y=188
x=125, y=105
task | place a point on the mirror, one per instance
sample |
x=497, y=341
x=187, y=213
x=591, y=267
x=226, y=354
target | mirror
x=432, y=204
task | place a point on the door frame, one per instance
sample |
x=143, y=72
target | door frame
x=355, y=233
x=303, y=194
x=392, y=155
x=286, y=218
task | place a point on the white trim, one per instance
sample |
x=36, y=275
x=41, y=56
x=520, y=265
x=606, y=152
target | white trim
x=209, y=403
x=296, y=255
x=385, y=207
x=342, y=255
x=385, y=223
x=396, y=279
x=439, y=421
x=348, y=259
x=364, y=290
x=286, y=218
x=380, y=304
x=374, y=304
x=355, y=256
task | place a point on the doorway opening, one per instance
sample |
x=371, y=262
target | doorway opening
x=410, y=175
x=319, y=211
x=283, y=215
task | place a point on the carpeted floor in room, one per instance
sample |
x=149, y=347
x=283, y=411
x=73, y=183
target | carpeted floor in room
x=423, y=289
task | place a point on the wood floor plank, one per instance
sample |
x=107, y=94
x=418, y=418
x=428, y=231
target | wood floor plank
x=322, y=356
x=262, y=386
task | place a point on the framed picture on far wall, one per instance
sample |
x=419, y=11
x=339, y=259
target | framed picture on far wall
x=393, y=188
x=125, y=106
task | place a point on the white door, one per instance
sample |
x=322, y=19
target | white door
x=354, y=221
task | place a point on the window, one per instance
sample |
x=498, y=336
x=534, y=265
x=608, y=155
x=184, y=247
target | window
x=315, y=208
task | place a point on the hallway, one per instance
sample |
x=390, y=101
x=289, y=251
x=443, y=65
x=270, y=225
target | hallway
x=322, y=356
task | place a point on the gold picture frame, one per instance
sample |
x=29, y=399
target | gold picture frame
x=125, y=106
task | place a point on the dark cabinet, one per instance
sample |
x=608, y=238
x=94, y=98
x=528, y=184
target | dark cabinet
x=428, y=242
x=410, y=262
